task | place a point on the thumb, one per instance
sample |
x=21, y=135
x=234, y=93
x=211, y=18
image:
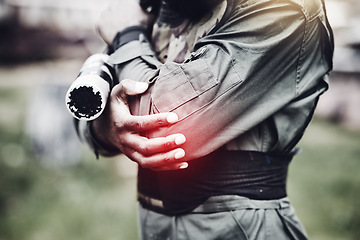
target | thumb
x=131, y=87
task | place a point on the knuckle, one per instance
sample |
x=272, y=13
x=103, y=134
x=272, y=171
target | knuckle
x=117, y=90
x=126, y=124
x=118, y=125
x=133, y=124
x=138, y=124
x=159, y=121
x=121, y=142
x=144, y=149
x=119, y=130
x=120, y=122
x=145, y=164
x=167, y=158
x=168, y=145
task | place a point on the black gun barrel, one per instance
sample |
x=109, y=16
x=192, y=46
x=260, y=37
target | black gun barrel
x=87, y=96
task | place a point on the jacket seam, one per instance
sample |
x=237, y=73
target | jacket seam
x=300, y=58
x=307, y=14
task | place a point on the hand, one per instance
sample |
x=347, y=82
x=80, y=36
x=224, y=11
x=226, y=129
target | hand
x=120, y=130
x=121, y=14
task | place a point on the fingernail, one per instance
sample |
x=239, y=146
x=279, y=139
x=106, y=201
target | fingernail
x=141, y=86
x=183, y=165
x=172, y=118
x=180, y=139
x=179, y=154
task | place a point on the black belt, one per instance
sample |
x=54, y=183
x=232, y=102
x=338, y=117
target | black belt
x=250, y=174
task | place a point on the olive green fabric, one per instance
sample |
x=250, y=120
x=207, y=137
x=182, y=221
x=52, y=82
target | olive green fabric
x=250, y=83
x=226, y=218
x=174, y=44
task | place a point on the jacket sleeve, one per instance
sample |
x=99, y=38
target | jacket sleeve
x=248, y=70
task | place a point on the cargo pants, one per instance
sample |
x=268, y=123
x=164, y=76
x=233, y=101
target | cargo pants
x=225, y=218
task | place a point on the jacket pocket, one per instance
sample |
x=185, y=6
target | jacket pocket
x=182, y=87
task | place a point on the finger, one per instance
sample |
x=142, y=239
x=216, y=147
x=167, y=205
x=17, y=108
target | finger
x=157, y=160
x=171, y=167
x=149, y=122
x=152, y=146
x=131, y=87
x=127, y=87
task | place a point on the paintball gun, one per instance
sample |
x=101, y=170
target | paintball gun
x=87, y=96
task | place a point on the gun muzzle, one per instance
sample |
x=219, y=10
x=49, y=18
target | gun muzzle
x=87, y=96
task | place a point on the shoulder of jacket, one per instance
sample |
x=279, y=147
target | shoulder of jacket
x=310, y=8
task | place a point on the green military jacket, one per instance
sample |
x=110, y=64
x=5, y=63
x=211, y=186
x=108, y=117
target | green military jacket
x=247, y=76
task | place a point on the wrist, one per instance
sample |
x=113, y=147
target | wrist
x=97, y=143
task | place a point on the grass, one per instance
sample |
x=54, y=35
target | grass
x=88, y=199
x=78, y=203
x=91, y=199
x=324, y=182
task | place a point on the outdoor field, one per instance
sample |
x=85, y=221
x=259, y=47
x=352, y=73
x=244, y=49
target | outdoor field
x=53, y=188
x=82, y=198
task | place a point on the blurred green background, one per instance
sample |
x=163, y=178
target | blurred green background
x=51, y=185
x=94, y=199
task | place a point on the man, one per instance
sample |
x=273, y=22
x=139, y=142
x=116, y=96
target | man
x=213, y=98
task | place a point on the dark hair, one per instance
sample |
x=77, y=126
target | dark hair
x=193, y=9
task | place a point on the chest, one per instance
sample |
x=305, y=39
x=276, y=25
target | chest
x=174, y=44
